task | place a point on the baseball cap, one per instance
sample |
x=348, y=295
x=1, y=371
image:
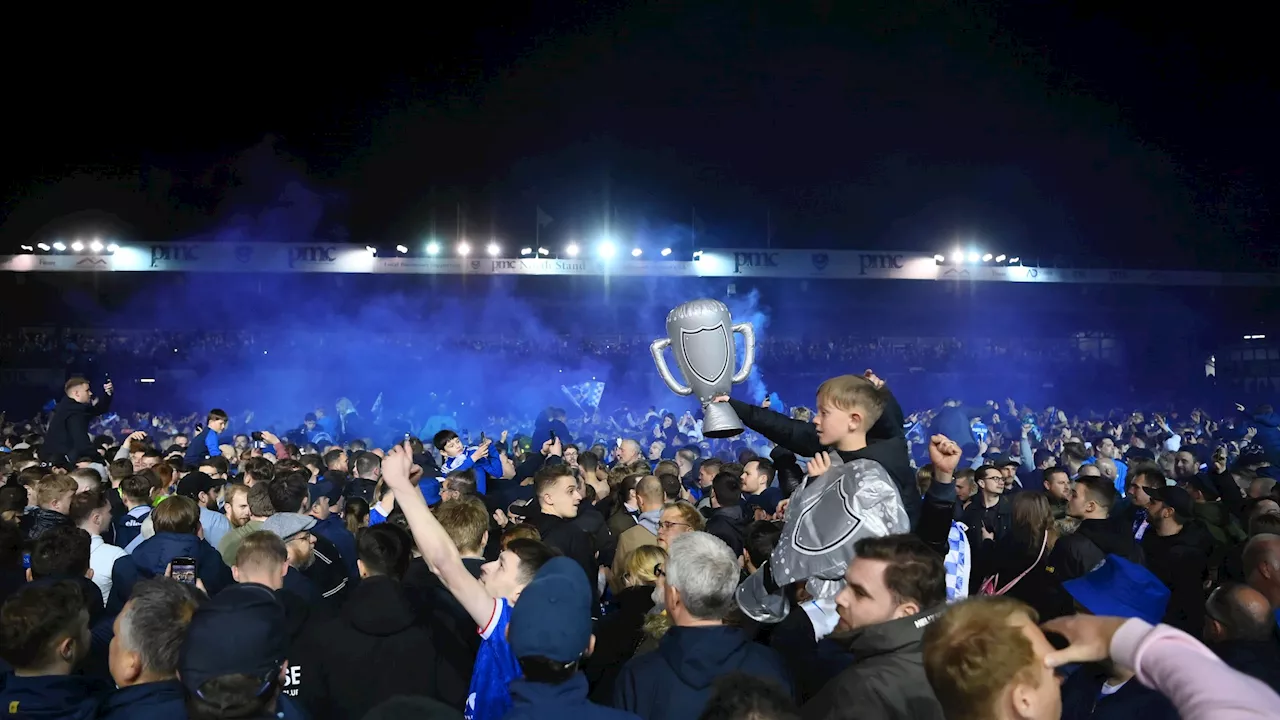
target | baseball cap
x=552, y=617
x=1120, y=588
x=1205, y=486
x=1175, y=497
x=195, y=483
x=1001, y=460
x=324, y=488
x=235, y=633
x=287, y=525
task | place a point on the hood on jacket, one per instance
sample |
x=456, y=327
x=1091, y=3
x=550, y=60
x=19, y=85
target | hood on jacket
x=378, y=606
x=699, y=655
x=531, y=694
x=155, y=553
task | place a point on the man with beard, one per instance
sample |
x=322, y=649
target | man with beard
x=206, y=491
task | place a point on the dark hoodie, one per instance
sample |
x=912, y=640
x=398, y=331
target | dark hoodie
x=728, y=524
x=164, y=700
x=1181, y=561
x=64, y=697
x=556, y=702
x=886, y=680
x=618, y=634
x=674, y=682
x=572, y=540
x=1076, y=554
x=374, y=649
x=152, y=556
x=885, y=444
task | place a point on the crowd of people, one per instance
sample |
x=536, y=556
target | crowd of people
x=63, y=346
x=842, y=561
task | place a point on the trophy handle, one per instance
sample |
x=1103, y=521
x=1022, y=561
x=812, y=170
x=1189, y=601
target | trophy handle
x=749, y=345
x=656, y=349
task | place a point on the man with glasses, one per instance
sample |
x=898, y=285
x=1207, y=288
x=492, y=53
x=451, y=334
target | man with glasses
x=1141, y=480
x=990, y=516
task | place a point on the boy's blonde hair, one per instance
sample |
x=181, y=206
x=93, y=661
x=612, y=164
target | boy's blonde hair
x=53, y=487
x=974, y=651
x=853, y=392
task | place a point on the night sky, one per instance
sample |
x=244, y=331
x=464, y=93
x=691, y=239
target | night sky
x=1037, y=128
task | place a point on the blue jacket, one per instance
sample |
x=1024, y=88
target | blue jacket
x=674, y=682
x=206, y=444
x=484, y=468
x=335, y=531
x=1268, y=437
x=164, y=700
x=531, y=701
x=155, y=553
x=65, y=697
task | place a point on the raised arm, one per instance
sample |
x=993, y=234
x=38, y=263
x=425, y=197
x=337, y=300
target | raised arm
x=433, y=542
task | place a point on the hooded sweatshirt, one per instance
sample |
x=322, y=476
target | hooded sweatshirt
x=374, y=649
x=64, y=697
x=674, y=682
x=1076, y=554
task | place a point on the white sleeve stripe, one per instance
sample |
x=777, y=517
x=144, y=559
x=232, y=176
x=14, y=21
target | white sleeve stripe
x=492, y=625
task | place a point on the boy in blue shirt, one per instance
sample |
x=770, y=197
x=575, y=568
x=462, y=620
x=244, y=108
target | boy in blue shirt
x=454, y=457
x=487, y=600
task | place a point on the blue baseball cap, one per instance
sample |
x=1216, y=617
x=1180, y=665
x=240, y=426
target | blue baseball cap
x=552, y=617
x=1120, y=588
x=235, y=633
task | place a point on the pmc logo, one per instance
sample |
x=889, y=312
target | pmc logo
x=91, y=262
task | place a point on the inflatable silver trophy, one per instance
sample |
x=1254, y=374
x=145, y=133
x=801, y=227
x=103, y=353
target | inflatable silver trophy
x=700, y=333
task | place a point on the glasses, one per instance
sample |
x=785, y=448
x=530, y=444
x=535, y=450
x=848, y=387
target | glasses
x=658, y=571
x=667, y=524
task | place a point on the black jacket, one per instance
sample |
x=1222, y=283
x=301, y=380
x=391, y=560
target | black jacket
x=40, y=521
x=998, y=519
x=68, y=435
x=618, y=634
x=728, y=524
x=886, y=680
x=328, y=572
x=1082, y=699
x=801, y=438
x=1076, y=554
x=1181, y=562
x=569, y=537
x=374, y=649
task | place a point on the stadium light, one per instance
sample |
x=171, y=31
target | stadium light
x=112, y=247
x=373, y=251
x=1000, y=258
x=27, y=248
x=464, y=249
x=636, y=252
x=543, y=251
x=77, y=246
x=43, y=246
x=607, y=250
x=1014, y=260
x=59, y=246
x=957, y=257
x=492, y=248
x=697, y=255
x=402, y=249
x=571, y=250
x=973, y=257
x=939, y=259
x=666, y=252
x=526, y=251
x=96, y=245
x=433, y=248
x=986, y=258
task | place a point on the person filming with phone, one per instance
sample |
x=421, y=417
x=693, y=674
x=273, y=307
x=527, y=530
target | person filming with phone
x=67, y=438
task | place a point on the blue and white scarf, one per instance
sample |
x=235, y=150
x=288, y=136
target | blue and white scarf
x=957, y=563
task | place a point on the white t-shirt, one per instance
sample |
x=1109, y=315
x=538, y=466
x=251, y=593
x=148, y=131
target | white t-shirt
x=102, y=558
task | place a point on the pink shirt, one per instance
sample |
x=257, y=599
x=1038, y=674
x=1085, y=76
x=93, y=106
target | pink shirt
x=1198, y=684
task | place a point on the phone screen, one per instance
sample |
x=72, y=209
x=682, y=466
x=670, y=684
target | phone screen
x=184, y=570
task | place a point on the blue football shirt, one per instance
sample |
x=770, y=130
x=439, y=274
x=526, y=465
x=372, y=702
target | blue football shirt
x=496, y=666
